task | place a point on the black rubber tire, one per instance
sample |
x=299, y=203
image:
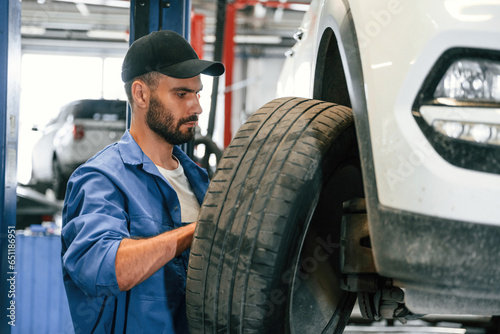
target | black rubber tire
x=211, y=149
x=266, y=248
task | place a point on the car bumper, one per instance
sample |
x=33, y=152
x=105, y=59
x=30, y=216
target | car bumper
x=444, y=265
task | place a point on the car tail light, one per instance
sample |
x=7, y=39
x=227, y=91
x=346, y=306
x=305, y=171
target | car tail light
x=78, y=132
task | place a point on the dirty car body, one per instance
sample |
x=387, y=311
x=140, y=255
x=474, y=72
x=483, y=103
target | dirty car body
x=422, y=78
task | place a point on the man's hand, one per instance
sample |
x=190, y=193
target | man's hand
x=138, y=259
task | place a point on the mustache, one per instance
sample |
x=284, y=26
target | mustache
x=193, y=118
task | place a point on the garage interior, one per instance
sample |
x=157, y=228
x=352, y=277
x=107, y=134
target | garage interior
x=73, y=49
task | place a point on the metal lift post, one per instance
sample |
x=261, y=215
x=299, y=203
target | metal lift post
x=147, y=16
x=10, y=76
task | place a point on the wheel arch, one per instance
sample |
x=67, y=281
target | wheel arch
x=339, y=54
x=329, y=78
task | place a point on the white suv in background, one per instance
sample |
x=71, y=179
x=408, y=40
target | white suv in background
x=375, y=176
x=81, y=129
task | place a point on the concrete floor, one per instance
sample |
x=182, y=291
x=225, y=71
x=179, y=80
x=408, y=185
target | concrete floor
x=409, y=329
x=415, y=327
x=433, y=324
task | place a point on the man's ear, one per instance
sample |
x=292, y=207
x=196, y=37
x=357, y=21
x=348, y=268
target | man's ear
x=140, y=94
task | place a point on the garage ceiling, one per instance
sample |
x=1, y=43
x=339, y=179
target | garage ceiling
x=101, y=26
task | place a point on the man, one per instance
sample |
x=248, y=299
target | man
x=129, y=212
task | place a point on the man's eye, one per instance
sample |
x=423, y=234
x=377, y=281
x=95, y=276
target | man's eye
x=181, y=94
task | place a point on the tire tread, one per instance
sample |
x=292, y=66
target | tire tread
x=273, y=151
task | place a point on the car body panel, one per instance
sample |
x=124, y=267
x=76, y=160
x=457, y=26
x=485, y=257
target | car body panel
x=97, y=136
x=433, y=225
x=410, y=175
x=43, y=155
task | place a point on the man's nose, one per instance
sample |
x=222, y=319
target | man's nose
x=196, y=107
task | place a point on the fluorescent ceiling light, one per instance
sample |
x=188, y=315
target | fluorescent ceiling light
x=108, y=34
x=254, y=39
x=32, y=30
x=109, y=3
x=298, y=7
x=248, y=39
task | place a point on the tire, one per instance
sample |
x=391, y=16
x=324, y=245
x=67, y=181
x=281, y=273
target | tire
x=211, y=154
x=265, y=255
x=59, y=181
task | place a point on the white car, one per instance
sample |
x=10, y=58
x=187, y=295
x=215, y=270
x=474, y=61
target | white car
x=82, y=128
x=375, y=176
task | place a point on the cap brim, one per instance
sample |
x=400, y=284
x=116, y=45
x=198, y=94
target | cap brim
x=192, y=67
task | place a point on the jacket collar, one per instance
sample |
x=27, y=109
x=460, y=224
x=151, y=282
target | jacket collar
x=132, y=154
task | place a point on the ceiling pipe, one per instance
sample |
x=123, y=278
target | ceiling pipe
x=218, y=49
x=229, y=63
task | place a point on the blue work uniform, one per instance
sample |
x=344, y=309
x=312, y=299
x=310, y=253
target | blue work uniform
x=119, y=193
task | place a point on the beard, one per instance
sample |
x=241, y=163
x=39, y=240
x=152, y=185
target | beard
x=161, y=121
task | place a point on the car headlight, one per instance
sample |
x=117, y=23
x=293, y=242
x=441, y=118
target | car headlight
x=458, y=108
x=471, y=80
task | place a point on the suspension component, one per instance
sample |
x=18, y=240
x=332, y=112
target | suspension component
x=378, y=298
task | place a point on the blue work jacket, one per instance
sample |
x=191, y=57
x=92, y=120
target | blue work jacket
x=119, y=193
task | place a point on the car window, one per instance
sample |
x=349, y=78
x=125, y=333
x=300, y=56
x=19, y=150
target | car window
x=105, y=110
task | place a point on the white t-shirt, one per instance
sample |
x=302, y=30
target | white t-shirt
x=190, y=208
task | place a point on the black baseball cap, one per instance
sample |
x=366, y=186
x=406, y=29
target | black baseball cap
x=166, y=52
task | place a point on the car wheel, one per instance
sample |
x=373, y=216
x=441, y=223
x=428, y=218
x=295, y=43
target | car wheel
x=266, y=251
x=59, y=180
x=206, y=154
